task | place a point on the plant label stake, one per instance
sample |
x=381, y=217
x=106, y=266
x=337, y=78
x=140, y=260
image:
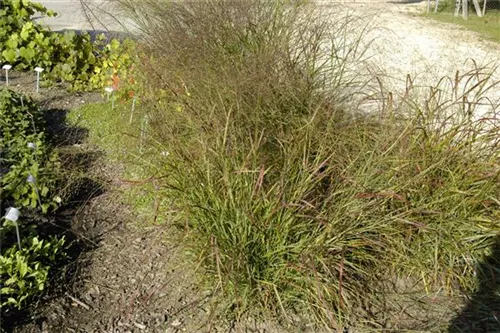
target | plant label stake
x=110, y=92
x=32, y=180
x=31, y=145
x=32, y=118
x=132, y=110
x=7, y=67
x=13, y=215
x=38, y=70
x=143, y=132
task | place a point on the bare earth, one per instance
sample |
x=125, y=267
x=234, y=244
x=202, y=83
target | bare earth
x=135, y=280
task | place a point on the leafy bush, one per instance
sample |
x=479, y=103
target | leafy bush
x=291, y=199
x=19, y=117
x=20, y=38
x=68, y=57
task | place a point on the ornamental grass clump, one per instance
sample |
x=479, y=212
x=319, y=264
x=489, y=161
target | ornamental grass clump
x=292, y=200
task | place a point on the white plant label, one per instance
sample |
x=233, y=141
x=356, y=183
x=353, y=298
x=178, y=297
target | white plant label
x=38, y=70
x=6, y=68
x=132, y=111
x=12, y=214
x=31, y=179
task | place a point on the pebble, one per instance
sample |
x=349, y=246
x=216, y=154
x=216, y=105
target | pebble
x=176, y=323
x=140, y=326
x=45, y=327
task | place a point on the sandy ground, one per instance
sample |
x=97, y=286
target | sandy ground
x=406, y=43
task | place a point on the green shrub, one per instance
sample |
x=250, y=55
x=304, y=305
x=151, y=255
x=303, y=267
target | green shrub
x=24, y=271
x=19, y=117
x=67, y=57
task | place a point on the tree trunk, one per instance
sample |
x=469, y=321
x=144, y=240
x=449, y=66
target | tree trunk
x=458, y=4
x=465, y=9
x=478, y=8
x=484, y=7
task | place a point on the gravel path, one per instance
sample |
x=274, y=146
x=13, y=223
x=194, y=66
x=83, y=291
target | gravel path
x=416, y=45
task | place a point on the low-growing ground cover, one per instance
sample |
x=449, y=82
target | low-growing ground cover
x=80, y=181
x=29, y=169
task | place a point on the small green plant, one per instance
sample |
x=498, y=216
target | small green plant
x=20, y=116
x=24, y=272
x=25, y=153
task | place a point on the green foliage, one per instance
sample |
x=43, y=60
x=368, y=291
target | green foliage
x=18, y=116
x=24, y=43
x=251, y=126
x=88, y=65
x=21, y=123
x=67, y=57
x=24, y=272
x=486, y=26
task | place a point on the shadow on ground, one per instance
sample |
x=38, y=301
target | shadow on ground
x=482, y=312
x=61, y=133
